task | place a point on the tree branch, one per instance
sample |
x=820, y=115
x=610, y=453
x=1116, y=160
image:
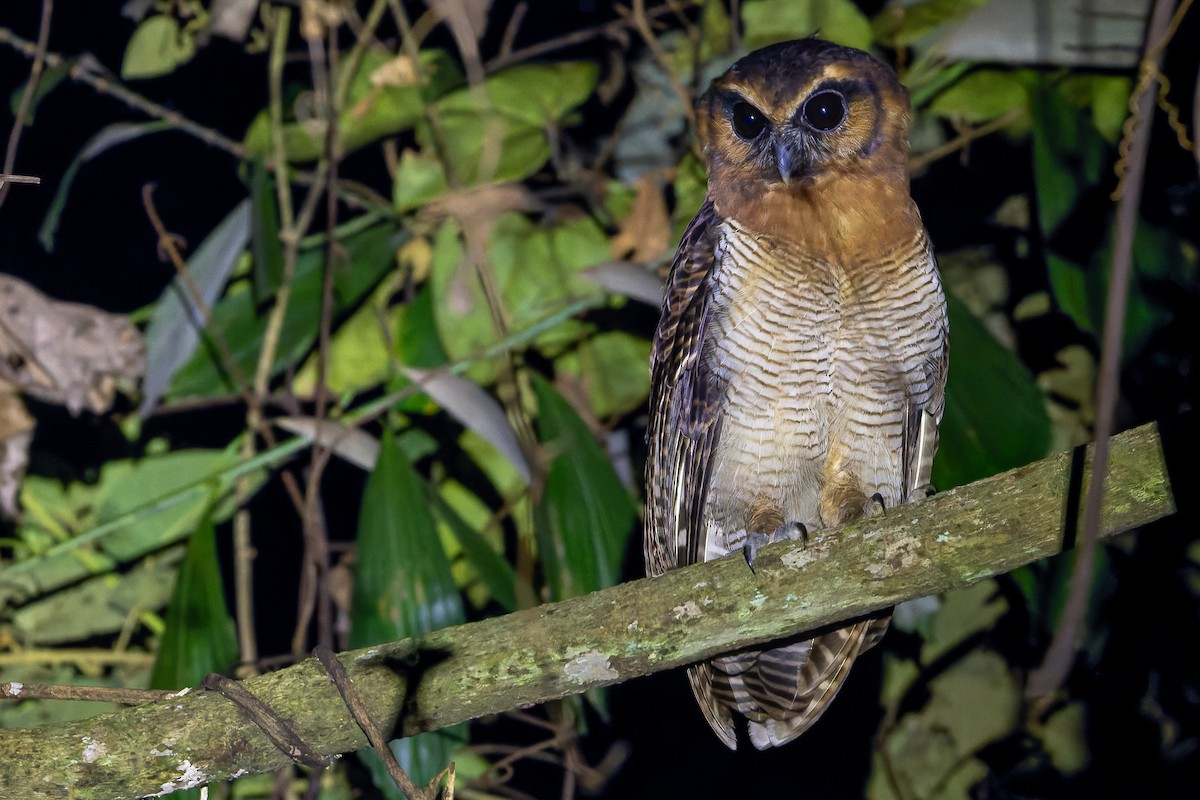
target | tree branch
x=457, y=674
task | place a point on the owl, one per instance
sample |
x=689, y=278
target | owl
x=798, y=371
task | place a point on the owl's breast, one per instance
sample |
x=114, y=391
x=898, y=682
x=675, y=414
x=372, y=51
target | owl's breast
x=814, y=367
x=772, y=343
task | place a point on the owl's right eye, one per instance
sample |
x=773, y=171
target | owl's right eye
x=748, y=121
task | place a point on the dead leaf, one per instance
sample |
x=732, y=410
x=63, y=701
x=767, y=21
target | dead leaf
x=466, y=19
x=16, y=432
x=628, y=279
x=477, y=208
x=645, y=233
x=400, y=72
x=69, y=354
x=317, y=17
x=231, y=18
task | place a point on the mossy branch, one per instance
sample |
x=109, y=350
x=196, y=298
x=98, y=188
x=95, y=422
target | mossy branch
x=634, y=629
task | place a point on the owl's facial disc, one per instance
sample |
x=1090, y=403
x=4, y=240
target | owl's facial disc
x=802, y=143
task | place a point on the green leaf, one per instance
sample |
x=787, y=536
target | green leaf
x=416, y=333
x=419, y=179
x=199, y=637
x=904, y=24
x=586, y=515
x=112, y=602
x=358, y=355
x=535, y=268
x=1075, y=217
x=612, y=370
x=539, y=95
x=50, y=79
x=496, y=573
x=265, y=244
x=995, y=416
x=1105, y=97
x=374, y=108
x=508, y=141
x=369, y=255
x=769, y=21
x=981, y=96
x=135, y=507
x=403, y=585
x=691, y=184
x=158, y=46
x=963, y=614
x=974, y=702
x=175, y=323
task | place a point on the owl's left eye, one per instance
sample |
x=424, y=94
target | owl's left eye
x=748, y=121
x=824, y=111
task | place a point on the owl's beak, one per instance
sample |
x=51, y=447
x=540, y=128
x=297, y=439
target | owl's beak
x=789, y=161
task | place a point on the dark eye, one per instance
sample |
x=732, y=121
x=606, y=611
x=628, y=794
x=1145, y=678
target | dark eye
x=824, y=111
x=748, y=121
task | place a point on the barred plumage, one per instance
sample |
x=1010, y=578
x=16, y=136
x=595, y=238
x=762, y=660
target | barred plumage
x=801, y=351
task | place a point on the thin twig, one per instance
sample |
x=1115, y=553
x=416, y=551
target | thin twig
x=35, y=74
x=14, y=690
x=1060, y=656
x=412, y=48
x=919, y=161
x=613, y=28
x=89, y=71
x=641, y=21
x=511, y=29
x=89, y=658
x=362, y=716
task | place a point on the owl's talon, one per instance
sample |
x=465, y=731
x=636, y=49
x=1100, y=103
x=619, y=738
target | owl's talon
x=787, y=532
x=792, y=532
x=924, y=490
x=755, y=541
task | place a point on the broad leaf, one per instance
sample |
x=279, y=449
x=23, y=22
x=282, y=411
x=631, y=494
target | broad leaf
x=158, y=46
x=369, y=254
x=508, y=141
x=586, y=514
x=995, y=415
x=536, y=270
x=769, y=21
x=403, y=586
x=199, y=637
x=136, y=507
x=378, y=105
x=176, y=323
x=1075, y=215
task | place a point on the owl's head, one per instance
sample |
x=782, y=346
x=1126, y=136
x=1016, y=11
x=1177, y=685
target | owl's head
x=794, y=113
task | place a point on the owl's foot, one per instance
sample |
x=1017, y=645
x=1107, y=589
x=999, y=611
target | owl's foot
x=922, y=491
x=874, y=506
x=788, y=531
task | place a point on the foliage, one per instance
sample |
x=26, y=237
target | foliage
x=461, y=315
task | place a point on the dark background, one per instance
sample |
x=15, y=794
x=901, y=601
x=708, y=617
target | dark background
x=106, y=256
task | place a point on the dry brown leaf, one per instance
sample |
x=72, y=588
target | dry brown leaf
x=645, y=233
x=400, y=72
x=478, y=208
x=466, y=19
x=68, y=354
x=16, y=432
x=317, y=17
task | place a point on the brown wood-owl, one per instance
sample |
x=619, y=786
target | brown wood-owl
x=799, y=368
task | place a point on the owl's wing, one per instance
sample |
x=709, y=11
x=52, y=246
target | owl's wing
x=684, y=392
x=926, y=402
